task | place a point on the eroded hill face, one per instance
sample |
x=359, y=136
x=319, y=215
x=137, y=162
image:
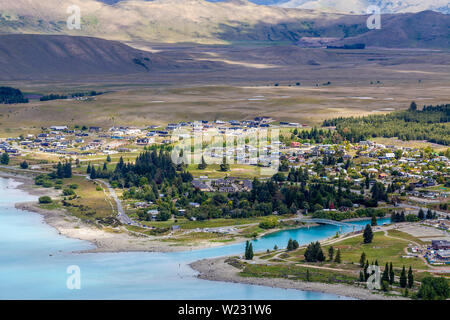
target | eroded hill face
x=199, y=21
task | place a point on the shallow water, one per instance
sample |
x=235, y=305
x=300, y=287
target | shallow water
x=34, y=260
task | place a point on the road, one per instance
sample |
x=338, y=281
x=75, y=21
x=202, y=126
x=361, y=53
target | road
x=121, y=215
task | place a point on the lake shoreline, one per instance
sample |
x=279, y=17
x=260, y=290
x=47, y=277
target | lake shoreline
x=114, y=240
x=217, y=269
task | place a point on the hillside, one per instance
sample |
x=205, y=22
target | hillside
x=425, y=29
x=350, y=6
x=44, y=57
x=360, y=6
x=234, y=21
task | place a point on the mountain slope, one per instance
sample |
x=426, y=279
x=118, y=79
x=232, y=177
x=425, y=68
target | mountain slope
x=349, y=6
x=199, y=21
x=360, y=6
x=42, y=56
x=425, y=29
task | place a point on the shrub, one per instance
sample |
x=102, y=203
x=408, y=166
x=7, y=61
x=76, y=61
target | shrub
x=68, y=192
x=45, y=199
x=269, y=223
x=47, y=184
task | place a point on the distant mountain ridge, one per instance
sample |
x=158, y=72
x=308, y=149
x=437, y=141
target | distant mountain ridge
x=349, y=6
x=233, y=21
x=360, y=6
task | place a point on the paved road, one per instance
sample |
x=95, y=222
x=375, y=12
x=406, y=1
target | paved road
x=121, y=215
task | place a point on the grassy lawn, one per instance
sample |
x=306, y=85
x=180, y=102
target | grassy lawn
x=404, y=235
x=298, y=272
x=236, y=170
x=213, y=223
x=94, y=203
x=410, y=144
x=382, y=248
x=199, y=236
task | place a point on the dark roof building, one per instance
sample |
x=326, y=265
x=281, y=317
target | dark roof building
x=440, y=244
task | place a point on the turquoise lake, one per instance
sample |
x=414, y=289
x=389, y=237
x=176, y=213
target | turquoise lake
x=34, y=259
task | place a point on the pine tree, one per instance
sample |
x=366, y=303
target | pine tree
x=374, y=221
x=368, y=234
x=59, y=170
x=307, y=275
x=330, y=253
x=362, y=260
x=202, y=165
x=391, y=274
x=67, y=170
x=410, y=278
x=361, y=276
x=290, y=245
x=88, y=170
x=320, y=256
x=421, y=214
x=403, y=279
x=366, y=267
x=4, y=159
x=108, y=158
x=385, y=276
x=224, y=166
x=93, y=173
x=337, y=259
x=295, y=244
x=24, y=165
x=250, y=252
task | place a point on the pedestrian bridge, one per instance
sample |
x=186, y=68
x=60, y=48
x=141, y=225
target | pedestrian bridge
x=332, y=222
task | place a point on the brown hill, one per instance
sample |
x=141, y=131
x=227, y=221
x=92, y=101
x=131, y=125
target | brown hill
x=199, y=21
x=47, y=56
x=427, y=29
